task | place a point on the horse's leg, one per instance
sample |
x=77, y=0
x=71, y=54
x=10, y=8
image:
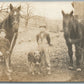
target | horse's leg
x=70, y=53
x=14, y=42
x=7, y=70
x=33, y=68
x=78, y=56
x=7, y=62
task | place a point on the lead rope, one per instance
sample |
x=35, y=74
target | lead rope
x=12, y=42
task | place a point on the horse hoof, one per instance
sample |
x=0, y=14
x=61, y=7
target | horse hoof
x=10, y=71
x=32, y=73
x=71, y=67
x=78, y=69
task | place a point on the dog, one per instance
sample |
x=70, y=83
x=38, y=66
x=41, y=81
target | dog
x=34, y=62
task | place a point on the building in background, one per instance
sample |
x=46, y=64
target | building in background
x=78, y=9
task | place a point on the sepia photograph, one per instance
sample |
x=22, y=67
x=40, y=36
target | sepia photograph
x=42, y=41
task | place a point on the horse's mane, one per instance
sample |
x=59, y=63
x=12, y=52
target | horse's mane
x=3, y=16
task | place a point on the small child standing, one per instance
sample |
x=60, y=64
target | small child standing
x=4, y=52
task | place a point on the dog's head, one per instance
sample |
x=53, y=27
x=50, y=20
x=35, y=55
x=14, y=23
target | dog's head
x=37, y=56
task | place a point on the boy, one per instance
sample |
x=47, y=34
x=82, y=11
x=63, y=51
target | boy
x=44, y=43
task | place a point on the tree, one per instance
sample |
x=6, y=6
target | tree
x=29, y=14
x=3, y=9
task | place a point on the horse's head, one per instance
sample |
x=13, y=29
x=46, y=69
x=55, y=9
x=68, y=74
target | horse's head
x=14, y=16
x=67, y=19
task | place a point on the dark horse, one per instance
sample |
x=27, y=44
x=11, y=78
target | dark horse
x=11, y=25
x=73, y=34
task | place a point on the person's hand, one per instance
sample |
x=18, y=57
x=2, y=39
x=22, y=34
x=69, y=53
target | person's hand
x=1, y=53
x=50, y=45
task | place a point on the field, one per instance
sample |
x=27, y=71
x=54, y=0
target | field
x=26, y=41
x=59, y=59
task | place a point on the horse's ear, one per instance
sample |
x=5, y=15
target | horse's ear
x=11, y=6
x=72, y=5
x=63, y=13
x=71, y=13
x=19, y=8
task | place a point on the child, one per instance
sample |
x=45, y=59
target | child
x=4, y=52
x=43, y=36
x=44, y=43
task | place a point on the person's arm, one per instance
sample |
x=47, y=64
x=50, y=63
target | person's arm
x=37, y=38
x=48, y=39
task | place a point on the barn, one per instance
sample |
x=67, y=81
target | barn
x=78, y=9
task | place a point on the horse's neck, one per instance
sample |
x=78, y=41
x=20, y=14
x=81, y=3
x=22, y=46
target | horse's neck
x=7, y=22
x=74, y=31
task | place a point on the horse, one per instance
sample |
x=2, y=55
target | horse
x=74, y=35
x=11, y=25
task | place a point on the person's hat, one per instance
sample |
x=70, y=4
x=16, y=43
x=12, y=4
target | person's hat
x=2, y=30
x=43, y=26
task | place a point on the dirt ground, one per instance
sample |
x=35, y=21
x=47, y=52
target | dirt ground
x=59, y=60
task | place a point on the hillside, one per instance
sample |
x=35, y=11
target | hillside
x=36, y=21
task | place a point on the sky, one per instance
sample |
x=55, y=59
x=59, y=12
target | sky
x=50, y=10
